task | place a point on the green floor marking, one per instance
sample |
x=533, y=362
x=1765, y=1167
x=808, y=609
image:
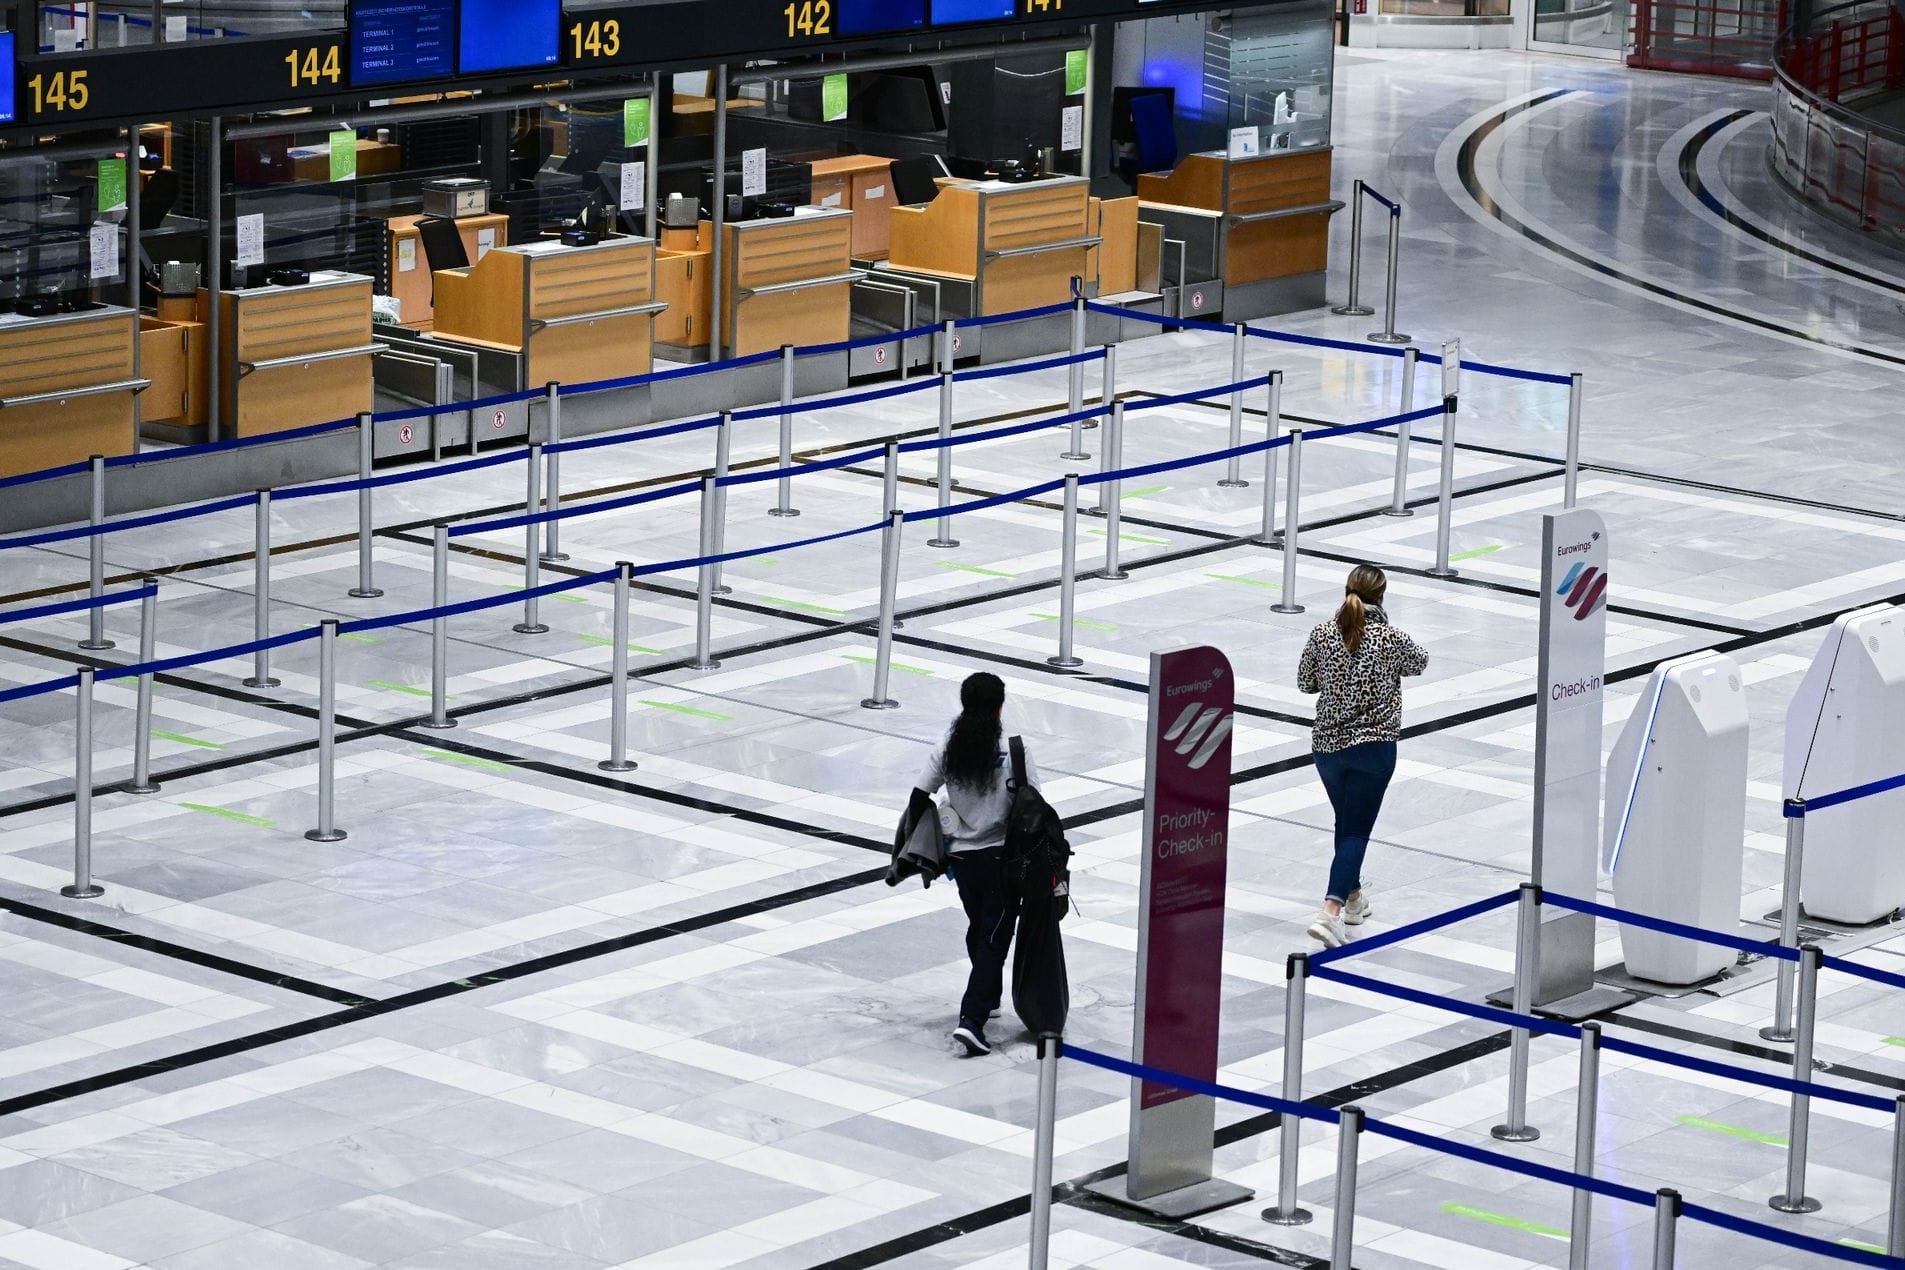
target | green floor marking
x=567, y=598
x=1497, y=1219
x=1731, y=1130
x=1489, y=550
x=600, y=642
x=1890, y=1040
x=225, y=813
x=444, y=756
x=1146, y=492
x=1862, y=1246
x=690, y=711
x=1149, y=542
x=185, y=740
x=973, y=568
x=385, y=685
x=804, y=606
x=352, y=636
x=1085, y=622
x=896, y=665
x=1227, y=577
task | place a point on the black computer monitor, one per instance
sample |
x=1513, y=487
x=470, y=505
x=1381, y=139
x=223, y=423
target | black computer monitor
x=903, y=100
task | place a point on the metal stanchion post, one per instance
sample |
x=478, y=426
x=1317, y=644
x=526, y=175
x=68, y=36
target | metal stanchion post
x=1343, y=1236
x=1895, y=1228
x=948, y=345
x=1273, y=428
x=723, y=449
x=1572, y=475
x=1114, y=500
x=1399, y=500
x=1044, y=1140
x=1290, y=1129
x=1587, y=1101
x=1107, y=396
x=1666, y=1221
x=552, y=552
x=1799, y=1132
x=142, y=782
x=889, y=602
x=327, y=830
x=1445, y=498
x=1355, y=307
x=617, y=760
x=96, y=640
x=1388, y=333
x=784, y=498
x=942, y=536
x=366, y=588
x=261, y=592
x=1068, y=579
x=1233, y=470
x=532, y=558
x=1782, y=1026
x=1527, y=969
x=1075, y=395
x=1292, y=524
x=83, y=886
x=440, y=719
x=704, y=590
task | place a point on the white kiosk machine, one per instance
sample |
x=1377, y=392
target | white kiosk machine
x=1675, y=834
x=1846, y=727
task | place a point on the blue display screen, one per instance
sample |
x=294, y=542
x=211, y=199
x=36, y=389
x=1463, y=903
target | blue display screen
x=876, y=17
x=508, y=35
x=952, y=12
x=6, y=77
x=395, y=40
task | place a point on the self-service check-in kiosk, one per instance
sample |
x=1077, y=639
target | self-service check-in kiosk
x=1846, y=727
x=1675, y=831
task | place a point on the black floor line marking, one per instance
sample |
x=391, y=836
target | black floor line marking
x=1471, y=182
x=1784, y=1058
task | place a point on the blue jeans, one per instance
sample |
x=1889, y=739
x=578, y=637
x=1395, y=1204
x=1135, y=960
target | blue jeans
x=1356, y=779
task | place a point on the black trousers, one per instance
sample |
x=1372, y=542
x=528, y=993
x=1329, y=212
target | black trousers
x=991, y=917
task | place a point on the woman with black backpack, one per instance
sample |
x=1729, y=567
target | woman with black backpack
x=972, y=766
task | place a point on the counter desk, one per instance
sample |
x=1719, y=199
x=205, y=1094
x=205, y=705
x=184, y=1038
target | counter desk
x=411, y=280
x=997, y=247
x=787, y=280
x=66, y=388
x=295, y=355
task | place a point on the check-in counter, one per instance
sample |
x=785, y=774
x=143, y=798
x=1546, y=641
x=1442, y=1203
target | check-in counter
x=410, y=275
x=1001, y=246
x=1254, y=232
x=66, y=388
x=787, y=280
x=861, y=184
x=294, y=356
x=172, y=355
x=574, y=315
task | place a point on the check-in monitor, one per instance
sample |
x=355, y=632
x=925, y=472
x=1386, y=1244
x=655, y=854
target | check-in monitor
x=879, y=17
x=394, y=40
x=6, y=77
x=508, y=35
x=954, y=12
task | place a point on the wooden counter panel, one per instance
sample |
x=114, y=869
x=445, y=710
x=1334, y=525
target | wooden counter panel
x=682, y=282
x=38, y=358
x=1115, y=262
x=286, y=397
x=413, y=288
x=591, y=281
x=817, y=315
x=1278, y=249
x=1198, y=181
x=1035, y=215
x=33, y=438
x=792, y=251
x=585, y=352
x=294, y=322
x=1031, y=282
x=942, y=237
x=172, y=355
x=1276, y=182
x=484, y=302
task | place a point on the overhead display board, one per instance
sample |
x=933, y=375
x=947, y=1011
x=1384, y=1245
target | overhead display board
x=881, y=17
x=164, y=81
x=397, y=41
x=508, y=35
x=958, y=12
x=6, y=76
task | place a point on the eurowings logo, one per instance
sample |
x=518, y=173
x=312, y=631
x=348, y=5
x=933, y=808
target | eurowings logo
x=1586, y=589
x=1199, y=732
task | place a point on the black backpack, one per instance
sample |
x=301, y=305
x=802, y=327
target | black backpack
x=1037, y=858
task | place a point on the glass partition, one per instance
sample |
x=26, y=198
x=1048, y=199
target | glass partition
x=73, y=26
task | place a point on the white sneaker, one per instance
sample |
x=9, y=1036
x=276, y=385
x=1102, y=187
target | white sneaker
x=1357, y=911
x=1328, y=930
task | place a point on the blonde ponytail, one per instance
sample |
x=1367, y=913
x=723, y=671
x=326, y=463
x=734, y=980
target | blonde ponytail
x=1367, y=586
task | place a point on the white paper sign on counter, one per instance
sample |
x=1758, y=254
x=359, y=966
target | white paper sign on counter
x=251, y=240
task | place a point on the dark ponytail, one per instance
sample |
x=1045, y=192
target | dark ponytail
x=972, y=747
x=1365, y=589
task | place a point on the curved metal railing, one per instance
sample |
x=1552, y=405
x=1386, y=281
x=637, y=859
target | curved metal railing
x=1824, y=148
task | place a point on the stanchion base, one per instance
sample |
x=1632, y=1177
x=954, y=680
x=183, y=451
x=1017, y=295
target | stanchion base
x=553, y=558
x=1783, y=1035
x=255, y=682
x=788, y=512
x=1113, y=575
x=1508, y=1133
x=1088, y=424
x=713, y=663
x=1065, y=663
x=1286, y=608
x=1176, y=1205
x=943, y=543
x=96, y=647
x=526, y=628
x=1390, y=511
x=1288, y=1216
x=434, y=726
x=1804, y=1204
x=360, y=593
x=150, y=787
x=1353, y=310
x=319, y=835
x=1445, y=573
x=610, y=765
x=1230, y=484
x=1384, y=337
x=1095, y=511
x=91, y=891
x=1069, y=456
x=724, y=590
x=870, y=703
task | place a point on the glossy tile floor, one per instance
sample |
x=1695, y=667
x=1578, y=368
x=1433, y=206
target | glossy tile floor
x=531, y=1014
